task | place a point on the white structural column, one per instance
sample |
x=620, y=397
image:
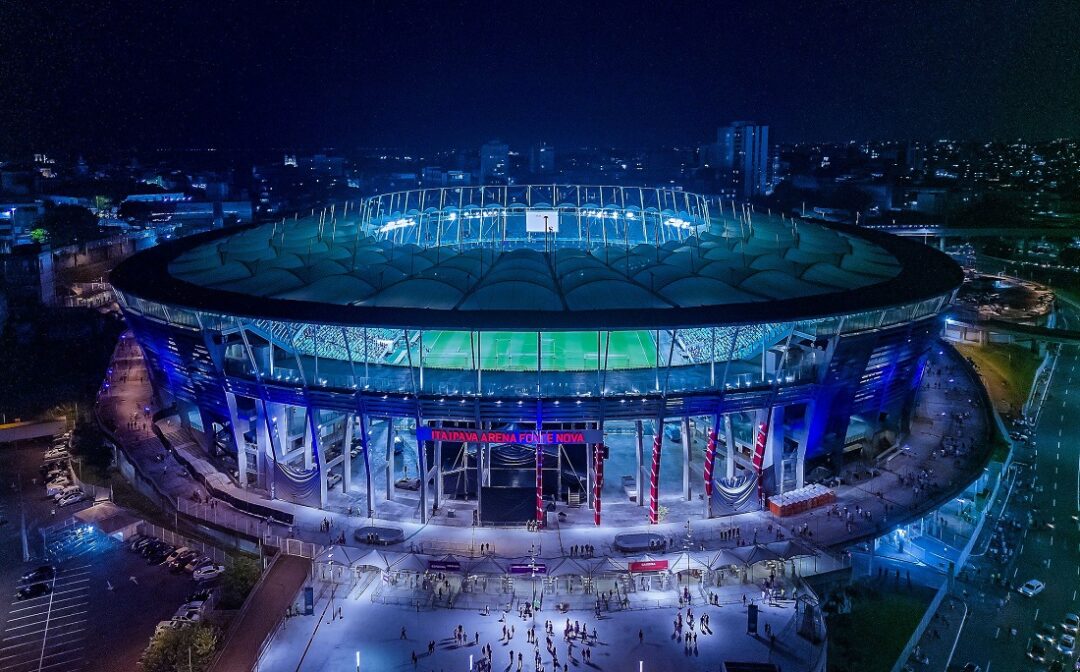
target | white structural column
x=238, y=439
x=365, y=445
x=424, y=472
x=774, y=449
x=804, y=436
x=439, y=475
x=390, y=459
x=309, y=441
x=639, y=450
x=311, y=449
x=729, y=447
x=262, y=442
x=686, y=442
x=346, y=453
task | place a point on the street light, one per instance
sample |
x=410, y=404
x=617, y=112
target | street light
x=358, y=661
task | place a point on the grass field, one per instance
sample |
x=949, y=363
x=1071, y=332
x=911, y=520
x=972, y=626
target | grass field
x=1008, y=372
x=562, y=351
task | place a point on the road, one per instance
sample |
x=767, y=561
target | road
x=1046, y=485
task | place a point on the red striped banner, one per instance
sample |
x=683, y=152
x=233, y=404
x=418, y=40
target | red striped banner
x=598, y=480
x=710, y=460
x=760, y=442
x=654, y=481
x=540, y=484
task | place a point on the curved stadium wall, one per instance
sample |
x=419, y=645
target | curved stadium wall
x=782, y=345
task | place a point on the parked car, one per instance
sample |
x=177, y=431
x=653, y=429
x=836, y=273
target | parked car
x=187, y=615
x=196, y=562
x=42, y=573
x=64, y=492
x=1037, y=652
x=56, y=475
x=32, y=590
x=56, y=487
x=180, y=562
x=1032, y=588
x=1067, y=644
x=333, y=479
x=56, y=454
x=208, y=572
x=1071, y=623
x=1047, y=633
x=159, y=554
x=171, y=624
x=73, y=498
x=154, y=546
x=200, y=595
x=140, y=542
x=177, y=552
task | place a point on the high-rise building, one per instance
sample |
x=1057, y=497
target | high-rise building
x=494, y=159
x=542, y=159
x=742, y=159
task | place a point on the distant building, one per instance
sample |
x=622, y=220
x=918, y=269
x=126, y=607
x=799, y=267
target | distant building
x=542, y=159
x=740, y=160
x=16, y=222
x=494, y=160
x=27, y=276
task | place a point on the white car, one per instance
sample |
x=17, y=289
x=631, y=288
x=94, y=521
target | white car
x=56, y=454
x=1071, y=623
x=188, y=613
x=65, y=492
x=58, y=486
x=169, y=625
x=1067, y=644
x=1032, y=588
x=175, y=554
x=208, y=572
x=73, y=498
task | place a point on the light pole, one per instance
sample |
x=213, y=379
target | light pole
x=358, y=661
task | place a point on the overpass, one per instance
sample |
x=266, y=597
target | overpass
x=1028, y=331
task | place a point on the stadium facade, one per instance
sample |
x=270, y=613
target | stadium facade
x=500, y=338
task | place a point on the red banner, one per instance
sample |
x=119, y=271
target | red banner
x=649, y=566
x=759, y=455
x=654, y=476
x=598, y=480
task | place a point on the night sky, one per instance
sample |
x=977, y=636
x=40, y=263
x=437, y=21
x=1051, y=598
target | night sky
x=441, y=74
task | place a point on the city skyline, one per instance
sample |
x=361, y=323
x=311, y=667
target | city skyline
x=257, y=77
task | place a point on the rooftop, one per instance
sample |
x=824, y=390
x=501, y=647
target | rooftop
x=727, y=272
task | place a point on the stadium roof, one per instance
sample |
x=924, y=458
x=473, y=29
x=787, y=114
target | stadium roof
x=771, y=271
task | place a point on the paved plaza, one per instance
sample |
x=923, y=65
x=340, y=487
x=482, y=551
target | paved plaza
x=328, y=642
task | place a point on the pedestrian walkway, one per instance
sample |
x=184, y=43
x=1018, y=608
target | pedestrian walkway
x=264, y=609
x=940, y=456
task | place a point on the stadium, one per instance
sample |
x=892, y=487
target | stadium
x=500, y=354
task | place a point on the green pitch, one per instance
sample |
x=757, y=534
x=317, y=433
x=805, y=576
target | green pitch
x=562, y=351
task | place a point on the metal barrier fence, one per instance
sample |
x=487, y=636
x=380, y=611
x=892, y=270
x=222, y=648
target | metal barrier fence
x=223, y=515
x=288, y=546
x=178, y=540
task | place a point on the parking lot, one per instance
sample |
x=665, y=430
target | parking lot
x=105, y=600
x=48, y=632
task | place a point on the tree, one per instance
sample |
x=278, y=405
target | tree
x=1070, y=256
x=65, y=224
x=172, y=649
x=851, y=198
x=990, y=212
x=238, y=580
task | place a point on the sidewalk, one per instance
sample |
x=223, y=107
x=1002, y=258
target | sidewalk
x=915, y=480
